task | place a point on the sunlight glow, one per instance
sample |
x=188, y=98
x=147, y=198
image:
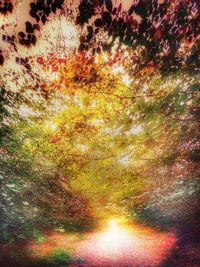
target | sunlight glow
x=136, y=129
x=115, y=238
x=126, y=244
x=113, y=223
x=59, y=105
x=117, y=69
x=26, y=111
x=126, y=79
x=83, y=148
x=50, y=125
x=69, y=33
x=124, y=159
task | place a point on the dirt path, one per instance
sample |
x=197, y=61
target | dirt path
x=137, y=246
x=133, y=246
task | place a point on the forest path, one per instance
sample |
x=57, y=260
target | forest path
x=135, y=245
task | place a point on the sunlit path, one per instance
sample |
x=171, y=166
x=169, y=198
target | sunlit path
x=117, y=244
x=132, y=246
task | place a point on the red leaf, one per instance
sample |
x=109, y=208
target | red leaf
x=158, y=34
x=54, y=68
x=40, y=60
x=120, y=7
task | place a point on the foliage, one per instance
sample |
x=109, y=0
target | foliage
x=161, y=34
x=56, y=258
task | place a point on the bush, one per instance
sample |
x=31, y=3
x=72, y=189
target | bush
x=57, y=257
